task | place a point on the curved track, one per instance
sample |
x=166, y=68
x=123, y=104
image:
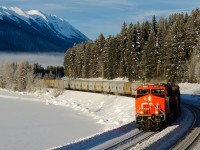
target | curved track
x=168, y=137
x=190, y=140
x=191, y=133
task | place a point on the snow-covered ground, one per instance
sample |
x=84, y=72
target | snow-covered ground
x=105, y=111
x=190, y=93
x=28, y=124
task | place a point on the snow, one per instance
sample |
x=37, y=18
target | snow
x=63, y=28
x=102, y=107
x=26, y=123
x=15, y=14
x=59, y=26
x=19, y=11
x=109, y=116
x=37, y=13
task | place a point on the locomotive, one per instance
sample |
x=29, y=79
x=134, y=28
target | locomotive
x=156, y=105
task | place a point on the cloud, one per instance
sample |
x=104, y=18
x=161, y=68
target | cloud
x=105, y=3
x=146, y=15
x=84, y=5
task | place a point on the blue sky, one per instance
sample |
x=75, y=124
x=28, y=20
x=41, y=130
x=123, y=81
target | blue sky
x=93, y=17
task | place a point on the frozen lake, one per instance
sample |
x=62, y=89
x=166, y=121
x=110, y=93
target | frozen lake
x=44, y=59
x=30, y=125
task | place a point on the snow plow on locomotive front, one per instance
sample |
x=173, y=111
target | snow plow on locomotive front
x=156, y=105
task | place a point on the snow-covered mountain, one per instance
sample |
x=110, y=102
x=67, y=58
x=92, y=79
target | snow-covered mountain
x=35, y=31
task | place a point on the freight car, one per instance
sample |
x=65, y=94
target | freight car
x=156, y=105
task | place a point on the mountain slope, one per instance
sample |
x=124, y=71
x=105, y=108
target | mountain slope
x=35, y=31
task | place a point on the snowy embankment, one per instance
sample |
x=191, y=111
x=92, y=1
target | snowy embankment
x=109, y=110
x=190, y=94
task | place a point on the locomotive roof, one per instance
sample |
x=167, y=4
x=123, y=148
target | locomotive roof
x=158, y=86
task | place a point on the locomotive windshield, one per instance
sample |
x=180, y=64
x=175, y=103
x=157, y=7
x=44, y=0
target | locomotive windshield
x=158, y=91
x=143, y=91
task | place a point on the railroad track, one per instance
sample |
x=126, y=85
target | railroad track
x=189, y=140
x=126, y=142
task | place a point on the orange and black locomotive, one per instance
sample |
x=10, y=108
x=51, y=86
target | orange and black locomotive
x=156, y=105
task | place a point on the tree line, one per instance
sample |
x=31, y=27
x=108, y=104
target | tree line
x=167, y=49
x=24, y=76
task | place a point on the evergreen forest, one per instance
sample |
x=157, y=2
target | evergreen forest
x=164, y=50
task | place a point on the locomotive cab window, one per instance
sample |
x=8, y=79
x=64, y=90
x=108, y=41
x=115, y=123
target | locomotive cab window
x=158, y=91
x=143, y=91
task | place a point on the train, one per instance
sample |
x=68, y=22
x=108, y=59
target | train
x=155, y=104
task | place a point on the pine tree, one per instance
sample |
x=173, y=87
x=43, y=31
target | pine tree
x=162, y=31
x=138, y=47
x=145, y=31
x=22, y=78
x=100, y=42
x=130, y=52
x=175, y=50
x=192, y=31
x=150, y=58
x=86, y=60
x=122, y=47
x=93, y=62
x=110, y=57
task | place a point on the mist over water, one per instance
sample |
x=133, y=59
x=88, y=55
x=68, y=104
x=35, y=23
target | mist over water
x=44, y=59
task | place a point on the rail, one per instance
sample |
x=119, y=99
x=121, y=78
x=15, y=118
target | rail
x=193, y=134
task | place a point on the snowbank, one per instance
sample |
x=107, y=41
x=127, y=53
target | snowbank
x=190, y=93
x=110, y=110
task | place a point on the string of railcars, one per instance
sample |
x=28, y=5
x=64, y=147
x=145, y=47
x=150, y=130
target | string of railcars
x=114, y=87
x=155, y=104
